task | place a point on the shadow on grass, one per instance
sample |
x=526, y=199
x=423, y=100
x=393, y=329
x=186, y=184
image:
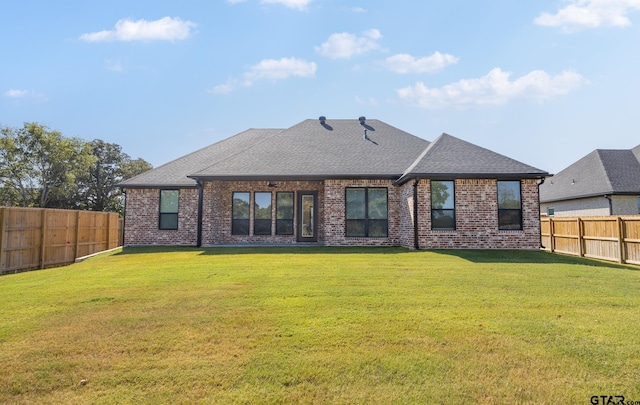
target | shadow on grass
x=471, y=255
x=252, y=249
x=524, y=256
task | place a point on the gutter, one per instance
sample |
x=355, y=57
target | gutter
x=416, y=236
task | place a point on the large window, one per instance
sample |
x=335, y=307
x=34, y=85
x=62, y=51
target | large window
x=443, y=212
x=366, y=212
x=169, y=209
x=240, y=214
x=509, y=205
x=284, y=213
x=262, y=213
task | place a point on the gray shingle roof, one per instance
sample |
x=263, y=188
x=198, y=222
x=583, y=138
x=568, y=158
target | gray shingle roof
x=174, y=173
x=603, y=171
x=450, y=157
x=310, y=149
x=333, y=149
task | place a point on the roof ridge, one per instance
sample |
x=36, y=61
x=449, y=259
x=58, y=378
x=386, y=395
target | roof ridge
x=421, y=156
x=605, y=167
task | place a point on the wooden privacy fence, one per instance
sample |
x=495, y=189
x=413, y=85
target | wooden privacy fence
x=35, y=238
x=607, y=238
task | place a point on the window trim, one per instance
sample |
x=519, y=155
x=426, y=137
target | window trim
x=233, y=219
x=163, y=214
x=292, y=219
x=453, y=210
x=366, y=218
x=256, y=219
x=503, y=210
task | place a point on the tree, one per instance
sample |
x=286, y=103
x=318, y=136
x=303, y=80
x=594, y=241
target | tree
x=109, y=167
x=41, y=166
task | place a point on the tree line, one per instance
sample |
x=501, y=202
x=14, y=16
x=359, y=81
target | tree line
x=42, y=168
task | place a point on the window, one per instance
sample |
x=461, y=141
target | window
x=366, y=212
x=443, y=213
x=284, y=213
x=240, y=214
x=551, y=211
x=638, y=205
x=509, y=205
x=169, y=209
x=262, y=213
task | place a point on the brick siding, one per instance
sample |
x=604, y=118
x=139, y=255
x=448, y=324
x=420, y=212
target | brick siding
x=475, y=202
x=142, y=215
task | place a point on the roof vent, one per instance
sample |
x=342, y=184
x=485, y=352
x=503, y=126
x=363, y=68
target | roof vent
x=362, y=119
x=322, y=119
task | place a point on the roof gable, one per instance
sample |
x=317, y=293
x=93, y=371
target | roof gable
x=451, y=157
x=601, y=172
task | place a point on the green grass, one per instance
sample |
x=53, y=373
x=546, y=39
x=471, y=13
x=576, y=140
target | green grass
x=320, y=325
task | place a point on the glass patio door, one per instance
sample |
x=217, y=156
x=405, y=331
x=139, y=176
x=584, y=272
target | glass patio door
x=307, y=216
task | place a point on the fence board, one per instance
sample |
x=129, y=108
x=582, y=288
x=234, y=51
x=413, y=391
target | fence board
x=607, y=238
x=32, y=238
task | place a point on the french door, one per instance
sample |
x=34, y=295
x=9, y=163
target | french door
x=307, y=216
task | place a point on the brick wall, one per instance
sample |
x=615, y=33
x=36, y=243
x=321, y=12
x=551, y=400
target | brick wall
x=217, y=204
x=334, y=217
x=142, y=214
x=476, y=204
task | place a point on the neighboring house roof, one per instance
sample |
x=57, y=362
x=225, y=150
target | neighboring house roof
x=449, y=157
x=601, y=172
x=325, y=149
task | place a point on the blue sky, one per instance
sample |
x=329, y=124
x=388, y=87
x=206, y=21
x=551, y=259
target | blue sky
x=543, y=82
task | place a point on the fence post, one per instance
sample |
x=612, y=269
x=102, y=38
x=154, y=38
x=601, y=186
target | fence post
x=552, y=240
x=108, y=231
x=620, y=240
x=43, y=236
x=3, y=225
x=580, y=237
x=77, y=230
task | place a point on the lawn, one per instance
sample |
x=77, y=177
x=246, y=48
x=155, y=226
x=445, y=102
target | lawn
x=321, y=325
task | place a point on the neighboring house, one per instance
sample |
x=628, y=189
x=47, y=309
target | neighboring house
x=337, y=183
x=605, y=182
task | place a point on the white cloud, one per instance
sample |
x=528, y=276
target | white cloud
x=581, y=14
x=345, y=45
x=405, y=63
x=493, y=89
x=164, y=29
x=369, y=101
x=269, y=69
x=16, y=94
x=295, y=4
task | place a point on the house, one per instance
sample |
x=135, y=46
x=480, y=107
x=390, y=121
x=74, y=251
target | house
x=604, y=182
x=337, y=183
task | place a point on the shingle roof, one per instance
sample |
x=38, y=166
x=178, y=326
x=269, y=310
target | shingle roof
x=332, y=149
x=339, y=148
x=603, y=171
x=450, y=157
x=174, y=173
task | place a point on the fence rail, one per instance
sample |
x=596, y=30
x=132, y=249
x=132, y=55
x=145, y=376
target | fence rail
x=35, y=238
x=607, y=238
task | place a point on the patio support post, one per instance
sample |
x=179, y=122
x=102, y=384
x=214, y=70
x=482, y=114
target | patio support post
x=416, y=234
x=199, y=224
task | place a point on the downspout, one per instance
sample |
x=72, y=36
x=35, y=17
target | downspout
x=539, y=184
x=199, y=224
x=124, y=215
x=416, y=235
x=608, y=197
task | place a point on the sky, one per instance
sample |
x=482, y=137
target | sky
x=544, y=82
